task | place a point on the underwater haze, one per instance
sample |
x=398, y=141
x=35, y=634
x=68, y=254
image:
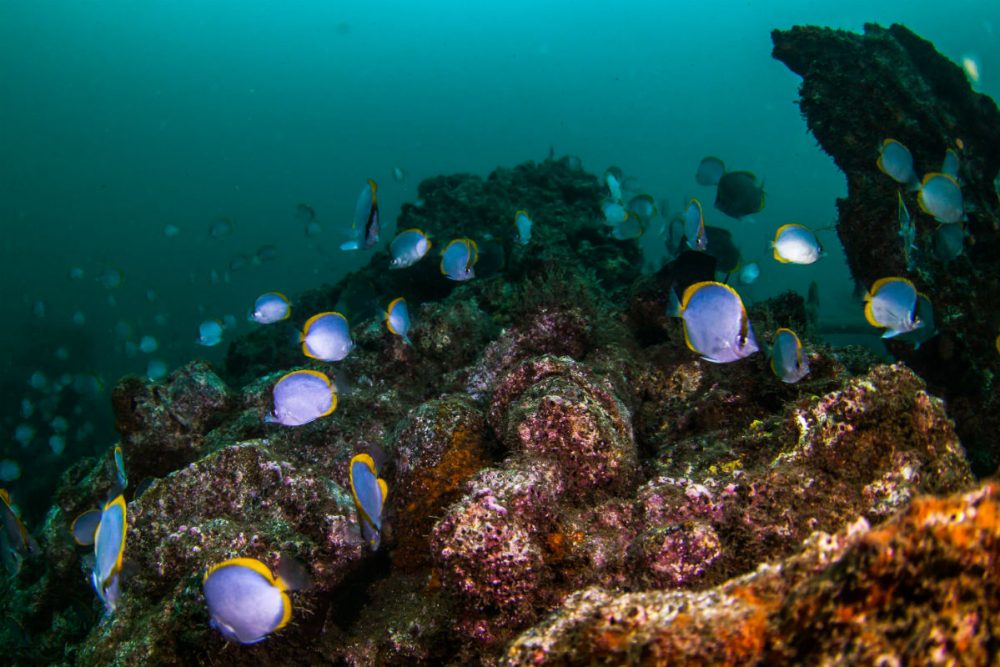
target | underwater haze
x=129, y=129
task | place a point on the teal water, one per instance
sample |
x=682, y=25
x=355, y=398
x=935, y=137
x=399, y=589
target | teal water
x=120, y=118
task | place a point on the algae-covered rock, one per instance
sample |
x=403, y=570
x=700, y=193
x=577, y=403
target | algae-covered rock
x=551, y=450
x=238, y=502
x=843, y=599
x=859, y=89
x=163, y=424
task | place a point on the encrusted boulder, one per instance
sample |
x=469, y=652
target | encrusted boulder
x=238, y=502
x=163, y=424
x=921, y=588
x=735, y=499
x=438, y=446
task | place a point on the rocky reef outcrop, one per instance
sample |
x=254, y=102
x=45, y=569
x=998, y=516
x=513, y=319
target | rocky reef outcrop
x=568, y=483
x=862, y=595
x=859, y=89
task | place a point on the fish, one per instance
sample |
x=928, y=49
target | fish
x=787, y=360
x=57, y=443
x=925, y=314
x=613, y=178
x=796, y=244
x=716, y=325
x=459, y=258
x=24, y=434
x=327, y=337
x=16, y=543
x=75, y=273
x=79, y=319
x=156, y=369
x=366, y=226
x=951, y=163
x=313, y=229
x=266, y=253
x=996, y=185
x=210, y=333
x=907, y=231
x=246, y=603
x=109, y=547
x=10, y=470
x=38, y=381
x=270, y=307
x=220, y=228
x=629, y=228
x=170, y=231
x=148, y=344
x=971, y=68
x=305, y=212
x=738, y=194
x=890, y=305
x=120, y=474
x=84, y=527
x=614, y=213
x=710, y=171
x=694, y=226
x=949, y=241
x=722, y=247
x=675, y=235
x=301, y=397
x=523, y=223
x=643, y=207
x=369, y=493
x=896, y=161
x=397, y=319
x=941, y=196
x=398, y=174
x=409, y=247
x=239, y=262
x=110, y=277
x=749, y=273
x=124, y=330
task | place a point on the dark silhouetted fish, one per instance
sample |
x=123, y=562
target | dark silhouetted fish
x=739, y=194
x=722, y=248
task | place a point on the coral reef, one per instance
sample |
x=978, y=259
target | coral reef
x=567, y=482
x=859, y=89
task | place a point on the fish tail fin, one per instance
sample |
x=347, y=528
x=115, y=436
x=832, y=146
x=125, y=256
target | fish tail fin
x=292, y=574
x=674, y=305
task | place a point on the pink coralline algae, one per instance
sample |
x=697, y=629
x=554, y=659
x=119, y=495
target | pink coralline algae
x=555, y=412
x=489, y=547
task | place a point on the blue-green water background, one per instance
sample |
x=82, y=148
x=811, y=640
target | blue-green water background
x=118, y=118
